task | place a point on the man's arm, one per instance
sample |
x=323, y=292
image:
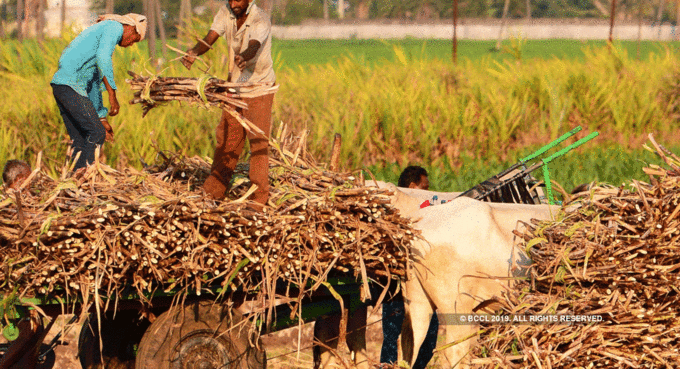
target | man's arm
x=113, y=100
x=115, y=107
x=249, y=53
x=200, y=48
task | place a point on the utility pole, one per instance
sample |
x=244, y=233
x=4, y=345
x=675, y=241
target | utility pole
x=454, y=55
x=611, y=22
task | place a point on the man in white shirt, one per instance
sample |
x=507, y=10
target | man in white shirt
x=247, y=30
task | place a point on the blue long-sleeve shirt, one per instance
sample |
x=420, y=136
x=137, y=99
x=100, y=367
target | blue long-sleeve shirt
x=87, y=60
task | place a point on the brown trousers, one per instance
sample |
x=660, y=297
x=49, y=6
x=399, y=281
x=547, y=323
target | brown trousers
x=231, y=137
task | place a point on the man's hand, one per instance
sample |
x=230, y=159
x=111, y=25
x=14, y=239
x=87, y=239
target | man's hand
x=115, y=106
x=239, y=61
x=113, y=100
x=188, y=59
x=109, y=130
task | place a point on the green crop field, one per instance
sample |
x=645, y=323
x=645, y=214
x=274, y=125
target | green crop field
x=295, y=53
x=395, y=102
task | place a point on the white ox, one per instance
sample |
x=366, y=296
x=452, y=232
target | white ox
x=465, y=243
x=467, y=251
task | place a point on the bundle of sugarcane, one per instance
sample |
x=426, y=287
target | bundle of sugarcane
x=99, y=232
x=206, y=90
x=615, y=258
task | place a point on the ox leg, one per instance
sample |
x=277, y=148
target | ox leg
x=457, y=355
x=356, y=336
x=418, y=312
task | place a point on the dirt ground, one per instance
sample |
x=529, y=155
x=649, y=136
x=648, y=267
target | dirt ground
x=286, y=349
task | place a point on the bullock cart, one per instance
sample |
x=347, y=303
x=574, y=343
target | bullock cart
x=517, y=185
x=170, y=278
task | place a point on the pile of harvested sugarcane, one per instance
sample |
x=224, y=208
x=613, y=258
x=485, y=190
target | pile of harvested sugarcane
x=206, y=90
x=617, y=257
x=99, y=232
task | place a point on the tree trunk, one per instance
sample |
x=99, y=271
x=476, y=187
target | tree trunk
x=504, y=19
x=161, y=29
x=612, y=16
x=325, y=10
x=20, y=19
x=454, y=51
x=3, y=16
x=267, y=6
x=151, y=29
x=109, y=6
x=362, y=9
x=184, y=17
x=639, y=36
x=603, y=9
x=30, y=7
x=63, y=17
x=341, y=9
x=40, y=20
x=677, y=19
x=528, y=15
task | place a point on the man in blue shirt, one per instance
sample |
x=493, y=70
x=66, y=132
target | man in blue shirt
x=393, y=310
x=85, y=69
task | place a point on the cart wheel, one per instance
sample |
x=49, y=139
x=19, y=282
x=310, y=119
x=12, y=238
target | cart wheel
x=198, y=335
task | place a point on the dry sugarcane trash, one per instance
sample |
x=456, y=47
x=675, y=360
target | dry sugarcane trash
x=99, y=232
x=616, y=257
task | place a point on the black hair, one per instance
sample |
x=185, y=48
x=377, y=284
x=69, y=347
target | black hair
x=411, y=174
x=13, y=170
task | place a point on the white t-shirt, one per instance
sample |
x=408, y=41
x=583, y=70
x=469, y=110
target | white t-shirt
x=256, y=27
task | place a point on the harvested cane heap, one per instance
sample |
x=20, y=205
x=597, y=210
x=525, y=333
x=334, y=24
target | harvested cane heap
x=106, y=230
x=616, y=256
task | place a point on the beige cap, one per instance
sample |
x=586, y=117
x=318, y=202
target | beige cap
x=131, y=19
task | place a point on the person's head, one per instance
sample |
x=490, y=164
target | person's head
x=15, y=172
x=130, y=36
x=239, y=7
x=414, y=177
x=134, y=27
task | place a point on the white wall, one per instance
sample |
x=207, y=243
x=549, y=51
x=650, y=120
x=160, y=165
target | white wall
x=78, y=14
x=472, y=31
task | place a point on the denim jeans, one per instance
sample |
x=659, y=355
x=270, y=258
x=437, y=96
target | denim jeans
x=392, y=319
x=82, y=123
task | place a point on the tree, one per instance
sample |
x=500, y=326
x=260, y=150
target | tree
x=506, y=7
x=151, y=28
x=184, y=15
x=528, y=6
x=362, y=9
x=20, y=19
x=161, y=28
